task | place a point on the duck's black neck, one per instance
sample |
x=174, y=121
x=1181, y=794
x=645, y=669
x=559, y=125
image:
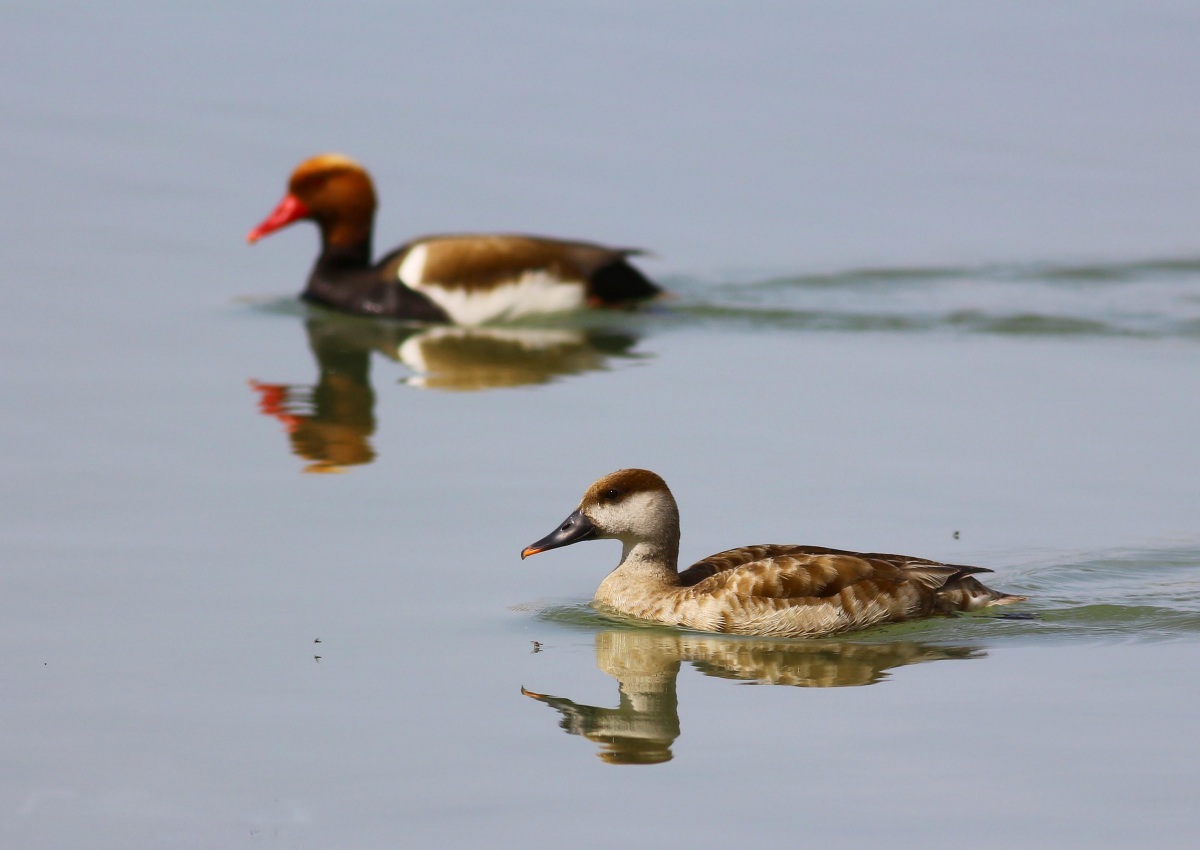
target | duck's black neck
x=344, y=279
x=344, y=257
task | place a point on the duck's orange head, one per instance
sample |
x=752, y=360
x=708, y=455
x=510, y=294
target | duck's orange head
x=334, y=191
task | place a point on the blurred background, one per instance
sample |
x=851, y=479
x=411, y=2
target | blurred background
x=936, y=279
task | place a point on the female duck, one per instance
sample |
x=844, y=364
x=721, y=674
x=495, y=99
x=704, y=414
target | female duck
x=466, y=279
x=789, y=591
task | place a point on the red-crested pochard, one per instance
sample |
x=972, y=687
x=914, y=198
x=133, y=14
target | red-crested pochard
x=467, y=279
x=781, y=590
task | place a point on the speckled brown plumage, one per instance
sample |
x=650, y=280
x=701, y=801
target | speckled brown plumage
x=783, y=590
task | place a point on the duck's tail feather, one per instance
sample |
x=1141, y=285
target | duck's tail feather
x=970, y=594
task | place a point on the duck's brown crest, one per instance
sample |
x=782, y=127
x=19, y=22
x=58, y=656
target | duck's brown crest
x=324, y=164
x=627, y=481
x=332, y=179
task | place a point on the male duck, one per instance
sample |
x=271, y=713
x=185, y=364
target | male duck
x=467, y=279
x=788, y=591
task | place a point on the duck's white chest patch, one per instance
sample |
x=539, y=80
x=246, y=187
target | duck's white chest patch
x=532, y=293
x=413, y=266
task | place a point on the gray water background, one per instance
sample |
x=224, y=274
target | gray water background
x=937, y=290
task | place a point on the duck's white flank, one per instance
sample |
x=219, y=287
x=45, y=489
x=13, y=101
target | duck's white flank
x=531, y=294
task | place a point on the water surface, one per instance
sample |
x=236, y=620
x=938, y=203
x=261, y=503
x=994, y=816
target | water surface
x=936, y=290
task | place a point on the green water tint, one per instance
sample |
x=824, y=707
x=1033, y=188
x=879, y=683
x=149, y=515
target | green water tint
x=1179, y=269
x=1150, y=299
x=1186, y=266
x=1142, y=595
x=974, y=321
x=582, y=616
x=1030, y=324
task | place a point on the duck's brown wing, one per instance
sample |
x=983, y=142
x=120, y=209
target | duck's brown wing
x=480, y=261
x=793, y=572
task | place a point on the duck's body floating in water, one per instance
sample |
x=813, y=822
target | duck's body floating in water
x=788, y=591
x=466, y=279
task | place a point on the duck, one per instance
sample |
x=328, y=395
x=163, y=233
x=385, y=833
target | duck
x=465, y=279
x=771, y=590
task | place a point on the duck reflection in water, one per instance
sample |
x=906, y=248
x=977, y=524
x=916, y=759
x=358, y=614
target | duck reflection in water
x=645, y=663
x=330, y=423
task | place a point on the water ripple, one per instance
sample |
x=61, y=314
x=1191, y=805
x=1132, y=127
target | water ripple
x=1158, y=298
x=1138, y=595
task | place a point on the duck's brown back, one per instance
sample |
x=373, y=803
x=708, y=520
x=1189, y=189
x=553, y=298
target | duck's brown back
x=810, y=590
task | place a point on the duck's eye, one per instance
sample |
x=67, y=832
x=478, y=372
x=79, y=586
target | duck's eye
x=611, y=494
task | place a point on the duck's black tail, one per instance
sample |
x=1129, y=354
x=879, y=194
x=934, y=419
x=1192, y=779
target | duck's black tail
x=621, y=283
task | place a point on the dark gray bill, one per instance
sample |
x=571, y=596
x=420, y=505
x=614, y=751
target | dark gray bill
x=573, y=529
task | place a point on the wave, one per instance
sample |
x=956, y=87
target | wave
x=1155, y=298
x=1146, y=299
x=1126, y=595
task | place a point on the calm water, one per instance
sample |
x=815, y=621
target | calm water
x=937, y=290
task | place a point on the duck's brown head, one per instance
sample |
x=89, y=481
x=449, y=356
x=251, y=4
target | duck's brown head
x=630, y=505
x=334, y=191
